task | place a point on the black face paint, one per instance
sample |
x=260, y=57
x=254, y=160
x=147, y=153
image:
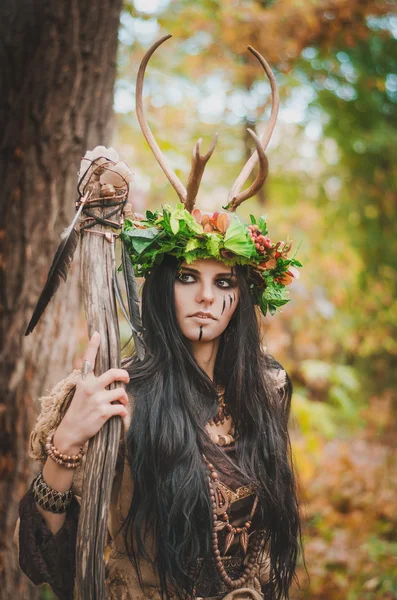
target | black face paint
x=231, y=300
x=234, y=296
x=224, y=305
x=201, y=333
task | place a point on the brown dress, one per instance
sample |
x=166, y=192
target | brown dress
x=49, y=558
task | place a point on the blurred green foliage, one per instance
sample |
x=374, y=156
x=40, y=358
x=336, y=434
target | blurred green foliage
x=357, y=90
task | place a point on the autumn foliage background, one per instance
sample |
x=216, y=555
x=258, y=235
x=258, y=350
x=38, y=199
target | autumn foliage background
x=331, y=189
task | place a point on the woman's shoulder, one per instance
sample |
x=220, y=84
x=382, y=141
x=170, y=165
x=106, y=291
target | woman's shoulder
x=276, y=371
x=279, y=378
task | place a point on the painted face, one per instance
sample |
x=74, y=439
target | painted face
x=206, y=296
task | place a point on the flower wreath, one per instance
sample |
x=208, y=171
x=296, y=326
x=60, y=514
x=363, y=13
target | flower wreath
x=222, y=236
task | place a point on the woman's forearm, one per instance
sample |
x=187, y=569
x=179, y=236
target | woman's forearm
x=58, y=478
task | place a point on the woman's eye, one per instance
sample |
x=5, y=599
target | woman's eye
x=224, y=283
x=186, y=278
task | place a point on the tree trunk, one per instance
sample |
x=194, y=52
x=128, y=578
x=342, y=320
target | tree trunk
x=58, y=68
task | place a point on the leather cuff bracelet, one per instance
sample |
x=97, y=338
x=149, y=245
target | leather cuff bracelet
x=49, y=499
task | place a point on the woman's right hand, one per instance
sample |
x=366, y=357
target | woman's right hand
x=92, y=404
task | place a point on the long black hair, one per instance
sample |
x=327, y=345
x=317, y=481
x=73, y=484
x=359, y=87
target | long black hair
x=174, y=399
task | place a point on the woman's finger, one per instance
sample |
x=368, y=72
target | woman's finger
x=108, y=396
x=112, y=375
x=92, y=350
x=116, y=410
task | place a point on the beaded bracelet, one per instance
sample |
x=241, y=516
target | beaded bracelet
x=65, y=460
x=49, y=499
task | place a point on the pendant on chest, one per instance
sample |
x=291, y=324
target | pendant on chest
x=221, y=500
x=223, y=412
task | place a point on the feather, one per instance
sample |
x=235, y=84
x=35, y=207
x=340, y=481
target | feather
x=244, y=540
x=131, y=287
x=219, y=525
x=59, y=269
x=120, y=300
x=229, y=541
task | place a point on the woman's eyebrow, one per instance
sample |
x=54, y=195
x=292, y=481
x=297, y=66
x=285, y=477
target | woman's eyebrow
x=228, y=274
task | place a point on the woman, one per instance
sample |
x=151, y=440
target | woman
x=203, y=502
x=197, y=353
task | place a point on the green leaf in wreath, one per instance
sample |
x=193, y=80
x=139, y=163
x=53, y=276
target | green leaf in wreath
x=192, y=244
x=237, y=239
x=262, y=224
x=276, y=295
x=141, y=239
x=185, y=219
x=165, y=218
x=295, y=263
x=190, y=257
x=174, y=222
x=214, y=241
x=262, y=303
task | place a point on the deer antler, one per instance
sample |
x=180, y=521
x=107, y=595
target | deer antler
x=260, y=178
x=188, y=196
x=197, y=170
x=172, y=177
x=236, y=197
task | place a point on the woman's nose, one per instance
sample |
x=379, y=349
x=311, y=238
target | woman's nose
x=206, y=293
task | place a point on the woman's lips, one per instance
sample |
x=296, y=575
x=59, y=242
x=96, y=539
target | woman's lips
x=203, y=317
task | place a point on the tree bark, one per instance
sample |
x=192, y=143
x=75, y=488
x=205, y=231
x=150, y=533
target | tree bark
x=58, y=69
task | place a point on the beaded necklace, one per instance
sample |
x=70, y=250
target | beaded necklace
x=220, y=521
x=219, y=419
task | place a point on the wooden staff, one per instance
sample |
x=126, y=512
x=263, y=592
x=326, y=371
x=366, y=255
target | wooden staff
x=97, y=268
